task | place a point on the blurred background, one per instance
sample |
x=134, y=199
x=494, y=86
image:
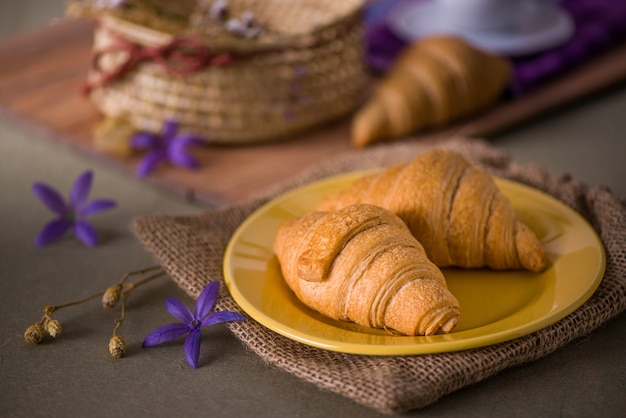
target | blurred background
x=575, y=138
x=24, y=15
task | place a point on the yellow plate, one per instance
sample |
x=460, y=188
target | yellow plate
x=495, y=306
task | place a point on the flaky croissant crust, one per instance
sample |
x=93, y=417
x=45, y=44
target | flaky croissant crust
x=454, y=209
x=362, y=264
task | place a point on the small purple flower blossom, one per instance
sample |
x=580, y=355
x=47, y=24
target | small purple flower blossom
x=71, y=215
x=219, y=9
x=169, y=146
x=191, y=322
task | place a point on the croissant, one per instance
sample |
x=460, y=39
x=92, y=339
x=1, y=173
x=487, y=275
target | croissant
x=435, y=81
x=361, y=264
x=454, y=209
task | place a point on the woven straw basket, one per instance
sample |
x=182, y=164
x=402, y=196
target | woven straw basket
x=305, y=69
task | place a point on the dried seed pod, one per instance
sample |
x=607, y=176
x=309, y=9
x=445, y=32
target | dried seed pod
x=34, y=334
x=117, y=346
x=111, y=296
x=53, y=327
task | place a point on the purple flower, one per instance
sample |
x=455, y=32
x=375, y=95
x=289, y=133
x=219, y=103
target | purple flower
x=191, y=322
x=169, y=146
x=71, y=215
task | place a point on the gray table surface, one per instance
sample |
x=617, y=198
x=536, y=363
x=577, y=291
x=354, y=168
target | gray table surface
x=75, y=376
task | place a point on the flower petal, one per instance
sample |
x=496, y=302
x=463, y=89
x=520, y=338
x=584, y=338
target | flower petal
x=86, y=233
x=223, y=316
x=80, y=189
x=96, y=206
x=50, y=197
x=170, y=127
x=192, y=347
x=147, y=164
x=145, y=140
x=207, y=299
x=177, y=153
x=165, y=333
x=179, y=310
x=189, y=140
x=52, y=231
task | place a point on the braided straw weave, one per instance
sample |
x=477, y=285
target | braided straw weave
x=305, y=69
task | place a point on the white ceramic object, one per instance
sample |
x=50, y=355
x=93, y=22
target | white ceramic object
x=503, y=27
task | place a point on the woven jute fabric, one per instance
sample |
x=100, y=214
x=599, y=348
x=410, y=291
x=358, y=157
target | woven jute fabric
x=191, y=249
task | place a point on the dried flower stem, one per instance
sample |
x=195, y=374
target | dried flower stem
x=129, y=287
x=141, y=271
x=52, y=308
x=49, y=309
x=35, y=332
x=117, y=344
x=118, y=321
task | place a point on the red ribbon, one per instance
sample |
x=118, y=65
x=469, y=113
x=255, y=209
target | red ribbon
x=181, y=56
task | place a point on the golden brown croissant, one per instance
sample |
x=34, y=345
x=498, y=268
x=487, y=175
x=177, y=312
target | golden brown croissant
x=362, y=264
x=434, y=81
x=454, y=209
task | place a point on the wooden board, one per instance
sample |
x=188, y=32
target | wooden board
x=41, y=74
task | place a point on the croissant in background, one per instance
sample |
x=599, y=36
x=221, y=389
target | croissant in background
x=434, y=81
x=455, y=210
x=362, y=264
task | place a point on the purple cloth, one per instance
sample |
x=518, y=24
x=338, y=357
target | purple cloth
x=599, y=25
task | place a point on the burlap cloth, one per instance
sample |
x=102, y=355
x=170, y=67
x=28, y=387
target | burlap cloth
x=191, y=249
